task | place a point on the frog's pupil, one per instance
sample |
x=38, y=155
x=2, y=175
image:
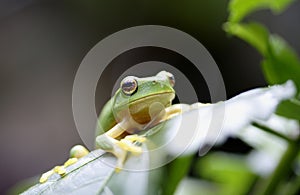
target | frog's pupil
x=128, y=85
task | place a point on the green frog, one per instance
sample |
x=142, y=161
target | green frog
x=138, y=105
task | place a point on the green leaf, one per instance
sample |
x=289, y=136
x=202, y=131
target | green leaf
x=289, y=109
x=253, y=33
x=280, y=65
x=175, y=171
x=240, y=8
x=281, y=62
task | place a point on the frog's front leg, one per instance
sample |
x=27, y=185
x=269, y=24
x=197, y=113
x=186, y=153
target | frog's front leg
x=108, y=143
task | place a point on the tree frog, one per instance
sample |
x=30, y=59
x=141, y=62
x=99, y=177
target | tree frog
x=139, y=103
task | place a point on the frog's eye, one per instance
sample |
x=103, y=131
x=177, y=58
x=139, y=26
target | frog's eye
x=129, y=85
x=171, y=78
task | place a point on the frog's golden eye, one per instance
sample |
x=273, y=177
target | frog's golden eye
x=129, y=85
x=171, y=78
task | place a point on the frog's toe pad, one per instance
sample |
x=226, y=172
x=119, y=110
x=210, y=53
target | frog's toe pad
x=45, y=176
x=70, y=162
x=61, y=170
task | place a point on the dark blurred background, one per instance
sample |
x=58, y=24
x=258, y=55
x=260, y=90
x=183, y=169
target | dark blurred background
x=42, y=43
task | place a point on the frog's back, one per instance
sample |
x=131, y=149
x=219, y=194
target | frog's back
x=106, y=119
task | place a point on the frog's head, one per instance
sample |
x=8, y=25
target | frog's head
x=136, y=95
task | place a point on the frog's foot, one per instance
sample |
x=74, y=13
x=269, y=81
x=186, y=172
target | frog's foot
x=120, y=148
x=76, y=152
x=111, y=145
x=61, y=170
x=58, y=169
x=129, y=143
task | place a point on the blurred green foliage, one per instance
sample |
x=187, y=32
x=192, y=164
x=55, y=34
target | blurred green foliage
x=238, y=9
x=280, y=63
x=230, y=172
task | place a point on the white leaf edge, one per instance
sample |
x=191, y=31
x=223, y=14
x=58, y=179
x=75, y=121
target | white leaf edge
x=214, y=123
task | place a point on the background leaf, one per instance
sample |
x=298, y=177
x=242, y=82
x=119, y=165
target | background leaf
x=175, y=172
x=253, y=33
x=281, y=62
x=240, y=8
x=289, y=109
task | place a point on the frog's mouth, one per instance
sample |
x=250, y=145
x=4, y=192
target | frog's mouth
x=164, y=98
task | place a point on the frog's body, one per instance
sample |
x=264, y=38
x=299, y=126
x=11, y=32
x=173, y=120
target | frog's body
x=139, y=104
